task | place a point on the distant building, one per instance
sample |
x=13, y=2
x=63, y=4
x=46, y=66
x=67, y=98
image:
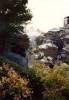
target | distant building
x=66, y=40
x=66, y=49
x=66, y=22
x=56, y=42
x=49, y=49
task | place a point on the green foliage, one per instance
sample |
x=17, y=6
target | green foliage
x=34, y=75
x=46, y=83
x=49, y=84
x=56, y=83
x=13, y=13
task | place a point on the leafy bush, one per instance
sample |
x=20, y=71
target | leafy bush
x=46, y=83
x=49, y=84
x=33, y=74
x=56, y=83
x=12, y=85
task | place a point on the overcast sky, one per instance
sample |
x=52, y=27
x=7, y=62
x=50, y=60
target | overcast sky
x=48, y=14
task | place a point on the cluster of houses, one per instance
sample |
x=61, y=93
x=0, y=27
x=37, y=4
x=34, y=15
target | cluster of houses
x=55, y=45
x=52, y=47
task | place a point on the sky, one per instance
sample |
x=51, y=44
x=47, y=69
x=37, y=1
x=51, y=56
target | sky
x=48, y=14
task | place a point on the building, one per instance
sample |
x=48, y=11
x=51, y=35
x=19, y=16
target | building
x=48, y=48
x=66, y=22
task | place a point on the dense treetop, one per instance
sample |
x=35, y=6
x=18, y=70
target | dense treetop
x=14, y=11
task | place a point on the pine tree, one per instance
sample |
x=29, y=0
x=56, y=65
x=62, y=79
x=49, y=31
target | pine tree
x=13, y=13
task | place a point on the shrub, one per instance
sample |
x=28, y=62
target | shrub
x=56, y=83
x=12, y=85
x=33, y=74
x=46, y=83
x=49, y=84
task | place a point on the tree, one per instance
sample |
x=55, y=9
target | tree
x=39, y=40
x=13, y=13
